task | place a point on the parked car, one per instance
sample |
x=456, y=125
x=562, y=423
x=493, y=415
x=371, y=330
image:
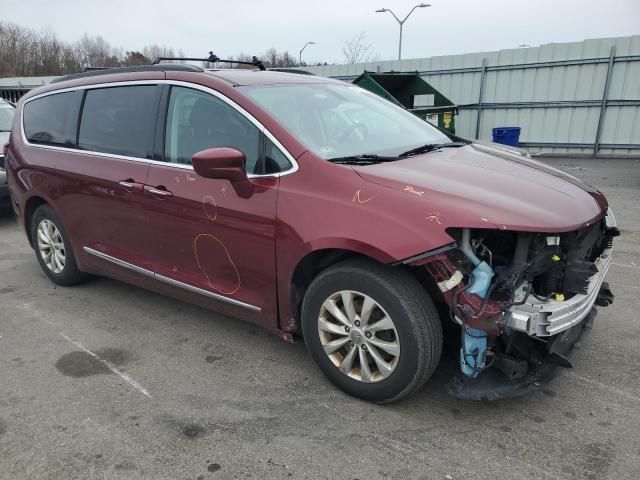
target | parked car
x=312, y=207
x=7, y=111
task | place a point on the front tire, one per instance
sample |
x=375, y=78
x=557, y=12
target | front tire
x=53, y=248
x=372, y=329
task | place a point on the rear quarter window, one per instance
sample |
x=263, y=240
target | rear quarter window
x=53, y=120
x=119, y=120
x=274, y=160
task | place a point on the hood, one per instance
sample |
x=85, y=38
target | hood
x=478, y=186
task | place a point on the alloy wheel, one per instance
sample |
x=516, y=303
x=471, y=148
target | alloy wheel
x=358, y=336
x=51, y=246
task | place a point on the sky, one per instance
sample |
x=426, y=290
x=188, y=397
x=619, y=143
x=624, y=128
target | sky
x=252, y=26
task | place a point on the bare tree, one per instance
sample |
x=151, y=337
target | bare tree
x=358, y=49
x=270, y=57
x=133, y=59
x=69, y=61
x=154, y=51
x=16, y=49
x=25, y=52
x=96, y=52
x=274, y=59
x=288, y=60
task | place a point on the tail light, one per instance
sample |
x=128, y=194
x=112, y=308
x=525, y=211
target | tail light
x=5, y=150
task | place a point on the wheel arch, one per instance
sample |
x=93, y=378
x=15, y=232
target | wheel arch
x=30, y=207
x=313, y=263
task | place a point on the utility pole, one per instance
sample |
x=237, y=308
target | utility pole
x=401, y=22
x=302, y=49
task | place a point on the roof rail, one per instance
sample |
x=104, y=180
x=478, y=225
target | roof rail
x=255, y=61
x=97, y=71
x=291, y=70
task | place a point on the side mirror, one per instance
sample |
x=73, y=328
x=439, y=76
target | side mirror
x=224, y=163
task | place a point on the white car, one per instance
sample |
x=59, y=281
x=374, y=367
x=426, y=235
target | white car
x=7, y=111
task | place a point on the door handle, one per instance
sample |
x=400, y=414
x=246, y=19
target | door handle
x=159, y=190
x=130, y=183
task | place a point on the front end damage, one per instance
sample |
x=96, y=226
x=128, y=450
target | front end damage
x=522, y=301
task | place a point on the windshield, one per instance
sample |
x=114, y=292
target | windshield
x=6, y=118
x=336, y=121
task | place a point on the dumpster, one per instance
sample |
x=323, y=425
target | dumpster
x=506, y=135
x=411, y=91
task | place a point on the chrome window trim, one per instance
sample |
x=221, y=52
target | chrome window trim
x=294, y=165
x=169, y=280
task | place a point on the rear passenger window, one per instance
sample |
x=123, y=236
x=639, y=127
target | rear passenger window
x=53, y=120
x=119, y=120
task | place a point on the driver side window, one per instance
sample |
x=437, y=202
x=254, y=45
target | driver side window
x=197, y=121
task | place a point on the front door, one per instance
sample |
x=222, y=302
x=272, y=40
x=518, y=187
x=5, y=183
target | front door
x=209, y=240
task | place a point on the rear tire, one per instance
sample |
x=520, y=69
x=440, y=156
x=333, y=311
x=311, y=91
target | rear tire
x=359, y=313
x=53, y=248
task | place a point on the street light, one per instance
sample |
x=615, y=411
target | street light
x=302, y=50
x=401, y=22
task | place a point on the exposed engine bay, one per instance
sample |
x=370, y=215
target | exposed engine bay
x=522, y=301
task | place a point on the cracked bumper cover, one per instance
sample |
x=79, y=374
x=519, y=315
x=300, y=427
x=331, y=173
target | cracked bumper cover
x=493, y=385
x=544, y=319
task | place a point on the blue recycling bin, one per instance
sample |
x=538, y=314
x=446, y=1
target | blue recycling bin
x=507, y=135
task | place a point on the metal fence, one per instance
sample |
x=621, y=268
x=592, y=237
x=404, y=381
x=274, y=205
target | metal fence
x=568, y=98
x=13, y=88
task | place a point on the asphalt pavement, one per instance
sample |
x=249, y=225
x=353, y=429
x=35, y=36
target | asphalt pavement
x=109, y=381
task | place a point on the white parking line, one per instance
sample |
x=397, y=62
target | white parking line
x=626, y=266
x=110, y=366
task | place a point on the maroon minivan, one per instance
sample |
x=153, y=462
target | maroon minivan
x=312, y=207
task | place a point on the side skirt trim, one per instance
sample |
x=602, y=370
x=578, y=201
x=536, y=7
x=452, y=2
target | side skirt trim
x=168, y=280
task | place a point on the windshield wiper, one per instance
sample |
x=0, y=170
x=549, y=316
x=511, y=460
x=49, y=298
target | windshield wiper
x=430, y=147
x=360, y=159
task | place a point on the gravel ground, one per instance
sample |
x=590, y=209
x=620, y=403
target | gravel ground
x=203, y=396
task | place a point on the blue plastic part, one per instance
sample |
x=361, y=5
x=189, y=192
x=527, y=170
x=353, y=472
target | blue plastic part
x=482, y=276
x=506, y=135
x=475, y=346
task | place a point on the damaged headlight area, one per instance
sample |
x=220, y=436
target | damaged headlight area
x=522, y=301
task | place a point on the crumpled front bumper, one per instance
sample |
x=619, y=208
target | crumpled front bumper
x=547, y=318
x=544, y=319
x=493, y=385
